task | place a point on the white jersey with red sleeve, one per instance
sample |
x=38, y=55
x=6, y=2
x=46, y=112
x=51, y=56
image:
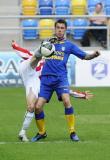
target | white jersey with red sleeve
x=29, y=75
x=22, y=52
x=40, y=66
x=26, y=54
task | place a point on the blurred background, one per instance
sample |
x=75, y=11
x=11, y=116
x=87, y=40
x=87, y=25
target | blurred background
x=28, y=22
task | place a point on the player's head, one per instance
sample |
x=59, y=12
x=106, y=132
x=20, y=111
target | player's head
x=60, y=28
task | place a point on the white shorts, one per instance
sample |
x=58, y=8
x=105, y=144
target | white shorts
x=30, y=78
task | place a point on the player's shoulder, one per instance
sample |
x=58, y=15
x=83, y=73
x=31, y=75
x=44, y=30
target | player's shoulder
x=69, y=43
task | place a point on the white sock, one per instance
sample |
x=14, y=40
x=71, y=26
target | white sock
x=27, y=120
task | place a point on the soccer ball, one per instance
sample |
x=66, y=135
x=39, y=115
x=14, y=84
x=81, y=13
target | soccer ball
x=47, y=49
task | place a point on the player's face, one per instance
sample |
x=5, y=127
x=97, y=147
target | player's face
x=60, y=30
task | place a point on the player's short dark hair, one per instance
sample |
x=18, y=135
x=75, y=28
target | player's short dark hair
x=61, y=21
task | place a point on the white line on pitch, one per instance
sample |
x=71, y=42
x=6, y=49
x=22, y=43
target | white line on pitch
x=47, y=142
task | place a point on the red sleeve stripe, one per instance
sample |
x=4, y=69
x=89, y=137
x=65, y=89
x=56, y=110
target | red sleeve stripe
x=18, y=48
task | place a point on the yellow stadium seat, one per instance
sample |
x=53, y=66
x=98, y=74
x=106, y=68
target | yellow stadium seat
x=79, y=7
x=46, y=33
x=29, y=7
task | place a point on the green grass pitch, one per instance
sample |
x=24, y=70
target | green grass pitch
x=92, y=125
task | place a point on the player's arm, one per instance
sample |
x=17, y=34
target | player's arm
x=35, y=58
x=22, y=52
x=91, y=56
x=82, y=54
x=82, y=95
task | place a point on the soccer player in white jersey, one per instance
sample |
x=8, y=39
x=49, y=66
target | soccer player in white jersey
x=30, y=75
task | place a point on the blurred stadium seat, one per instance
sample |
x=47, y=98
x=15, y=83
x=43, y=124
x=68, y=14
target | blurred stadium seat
x=62, y=7
x=30, y=33
x=78, y=33
x=45, y=7
x=92, y=4
x=79, y=7
x=29, y=7
x=107, y=7
x=69, y=24
x=46, y=33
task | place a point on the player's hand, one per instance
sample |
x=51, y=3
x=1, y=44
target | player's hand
x=96, y=53
x=13, y=44
x=93, y=55
x=88, y=95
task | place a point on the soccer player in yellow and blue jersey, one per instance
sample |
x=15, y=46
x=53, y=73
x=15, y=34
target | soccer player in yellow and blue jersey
x=54, y=78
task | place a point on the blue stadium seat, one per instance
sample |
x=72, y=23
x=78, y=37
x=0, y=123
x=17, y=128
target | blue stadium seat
x=62, y=7
x=30, y=33
x=92, y=4
x=69, y=24
x=46, y=7
x=107, y=7
x=78, y=33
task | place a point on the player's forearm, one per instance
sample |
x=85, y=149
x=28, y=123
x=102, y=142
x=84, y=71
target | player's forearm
x=91, y=56
x=34, y=61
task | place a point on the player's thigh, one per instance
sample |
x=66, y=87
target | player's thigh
x=46, y=92
x=63, y=95
x=32, y=91
x=24, y=67
x=62, y=87
x=26, y=71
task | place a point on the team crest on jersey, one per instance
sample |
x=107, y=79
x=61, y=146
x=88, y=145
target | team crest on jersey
x=63, y=48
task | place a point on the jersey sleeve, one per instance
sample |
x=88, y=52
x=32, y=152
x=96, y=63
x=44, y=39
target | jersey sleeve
x=40, y=66
x=75, y=50
x=22, y=52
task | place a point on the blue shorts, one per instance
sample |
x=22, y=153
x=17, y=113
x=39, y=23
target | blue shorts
x=49, y=84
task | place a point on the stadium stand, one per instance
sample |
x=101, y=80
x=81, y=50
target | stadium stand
x=30, y=33
x=46, y=7
x=92, y=4
x=78, y=33
x=107, y=7
x=8, y=8
x=79, y=7
x=62, y=7
x=69, y=25
x=48, y=32
x=11, y=20
x=29, y=7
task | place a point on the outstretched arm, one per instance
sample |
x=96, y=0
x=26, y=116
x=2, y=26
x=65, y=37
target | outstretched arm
x=36, y=58
x=22, y=52
x=82, y=95
x=25, y=54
